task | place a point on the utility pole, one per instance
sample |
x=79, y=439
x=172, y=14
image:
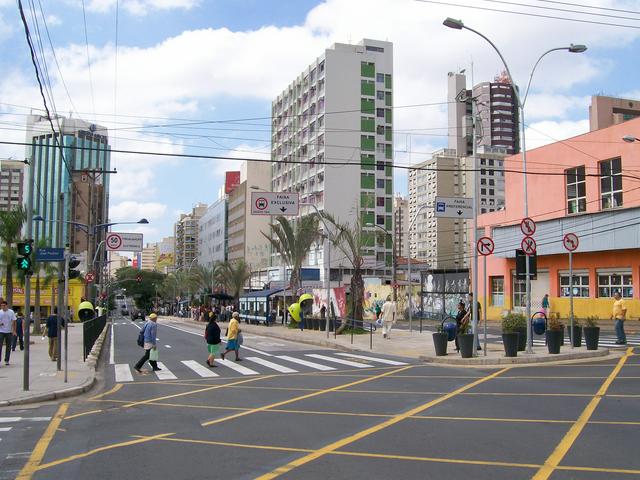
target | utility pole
x=61, y=276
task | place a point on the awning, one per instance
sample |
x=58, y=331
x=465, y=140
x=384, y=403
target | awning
x=221, y=296
x=260, y=293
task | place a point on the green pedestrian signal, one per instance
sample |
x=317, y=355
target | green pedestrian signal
x=23, y=263
x=25, y=249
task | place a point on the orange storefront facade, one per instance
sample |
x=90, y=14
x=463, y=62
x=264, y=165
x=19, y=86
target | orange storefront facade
x=588, y=185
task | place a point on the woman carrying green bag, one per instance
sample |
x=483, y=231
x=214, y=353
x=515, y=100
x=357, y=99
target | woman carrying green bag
x=150, y=330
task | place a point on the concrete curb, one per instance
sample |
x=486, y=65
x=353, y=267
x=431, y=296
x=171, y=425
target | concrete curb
x=528, y=360
x=84, y=387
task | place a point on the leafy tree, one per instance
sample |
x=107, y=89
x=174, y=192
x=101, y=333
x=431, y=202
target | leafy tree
x=293, y=243
x=233, y=276
x=352, y=242
x=11, y=223
x=143, y=291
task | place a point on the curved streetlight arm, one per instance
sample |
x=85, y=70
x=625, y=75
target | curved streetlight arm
x=526, y=92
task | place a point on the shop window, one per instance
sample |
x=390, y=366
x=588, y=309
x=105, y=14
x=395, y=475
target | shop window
x=580, y=285
x=497, y=291
x=610, y=283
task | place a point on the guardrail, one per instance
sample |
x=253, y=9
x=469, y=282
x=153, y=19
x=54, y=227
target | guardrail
x=91, y=330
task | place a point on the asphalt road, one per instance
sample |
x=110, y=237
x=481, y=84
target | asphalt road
x=366, y=419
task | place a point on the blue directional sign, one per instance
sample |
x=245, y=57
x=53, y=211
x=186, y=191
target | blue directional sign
x=50, y=254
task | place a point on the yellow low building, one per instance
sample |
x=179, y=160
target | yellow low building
x=76, y=292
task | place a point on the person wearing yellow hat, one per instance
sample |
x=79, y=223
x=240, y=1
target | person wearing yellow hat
x=149, y=332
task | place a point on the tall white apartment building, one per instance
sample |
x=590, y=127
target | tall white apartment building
x=340, y=110
x=212, y=237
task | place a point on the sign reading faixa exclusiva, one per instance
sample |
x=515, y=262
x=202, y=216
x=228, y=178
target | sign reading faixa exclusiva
x=129, y=242
x=274, y=203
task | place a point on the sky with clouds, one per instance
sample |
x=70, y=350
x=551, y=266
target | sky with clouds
x=198, y=76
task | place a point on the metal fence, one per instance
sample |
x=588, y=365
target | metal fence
x=91, y=330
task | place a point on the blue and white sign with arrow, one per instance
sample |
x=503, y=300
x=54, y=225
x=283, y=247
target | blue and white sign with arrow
x=454, y=207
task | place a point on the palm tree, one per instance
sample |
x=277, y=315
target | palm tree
x=233, y=276
x=352, y=242
x=293, y=243
x=11, y=223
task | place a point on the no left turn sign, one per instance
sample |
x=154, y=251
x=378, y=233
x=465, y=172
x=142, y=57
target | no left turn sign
x=570, y=241
x=485, y=246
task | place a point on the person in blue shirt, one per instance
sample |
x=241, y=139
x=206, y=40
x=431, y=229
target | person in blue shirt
x=52, y=333
x=150, y=329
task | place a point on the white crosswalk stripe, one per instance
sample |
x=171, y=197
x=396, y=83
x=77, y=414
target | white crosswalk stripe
x=316, y=366
x=268, y=364
x=338, y=360
x=242, y=370
x=5, y=429
x=372, y=359
x=165, y=373
x=199, y=369
x=123, y=373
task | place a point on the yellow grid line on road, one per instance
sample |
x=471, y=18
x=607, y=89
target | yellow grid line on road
x=571, y=436
x=82, y=414
x=331, y=447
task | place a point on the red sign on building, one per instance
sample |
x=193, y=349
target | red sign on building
x=231, y=181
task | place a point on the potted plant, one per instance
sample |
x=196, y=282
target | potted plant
x=575, y=333
x=591, y=332
x=322, y=323
x=517, y=322
x=440, y=341
x=510, y=335
x=315, y=325
x=554, y=334
x=465, y=341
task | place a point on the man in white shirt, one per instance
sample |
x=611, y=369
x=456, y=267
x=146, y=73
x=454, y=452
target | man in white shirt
x=7, y=329
x=388, y=317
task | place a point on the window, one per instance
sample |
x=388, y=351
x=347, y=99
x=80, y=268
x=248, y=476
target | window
x=519, y=292
x=380, y=95
x=380, y=112
x=367, y=87
x=380, y=183
x=610, y=283
x=611, y=183
x=380, y=201
x=367, y=69
x=497, y=291
x=380, y=77
x=380, y=166
x=576, y=190
x=379, y=219
x=380, y=129
x=580, y=285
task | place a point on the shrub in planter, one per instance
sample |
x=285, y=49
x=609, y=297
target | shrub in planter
x=440, y=341
x=554, y=334
x=465, y=341
x=517, y=322
x=591, y=332
x=510, y=335
x=575, y=333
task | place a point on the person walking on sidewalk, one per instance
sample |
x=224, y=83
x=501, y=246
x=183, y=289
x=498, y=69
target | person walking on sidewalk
x=388, y=317
x=7, y=329
x=52, y=333
x=19, y=336
x=619, y=314
x=233, y=333
x=212, y=335
x=150, y=329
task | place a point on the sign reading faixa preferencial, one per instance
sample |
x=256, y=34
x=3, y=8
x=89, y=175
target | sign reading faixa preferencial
x=274, y=203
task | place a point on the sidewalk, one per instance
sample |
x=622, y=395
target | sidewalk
x=45, y=382
x=414, y=345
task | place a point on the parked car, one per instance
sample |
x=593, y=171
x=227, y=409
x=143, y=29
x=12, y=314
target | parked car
x=124, y=311
x=137, y=315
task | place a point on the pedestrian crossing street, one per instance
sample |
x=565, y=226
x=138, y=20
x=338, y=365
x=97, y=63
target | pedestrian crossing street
x=255, y=366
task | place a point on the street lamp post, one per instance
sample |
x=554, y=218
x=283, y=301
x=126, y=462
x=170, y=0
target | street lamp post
x=459, y=25
x=410, y=282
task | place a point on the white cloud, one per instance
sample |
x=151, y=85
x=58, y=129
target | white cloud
x=130, y=211
x=543, y=133
x=141, y=7
x=53, y=20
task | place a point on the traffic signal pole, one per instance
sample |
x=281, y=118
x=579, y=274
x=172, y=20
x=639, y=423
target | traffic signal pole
x=27, y=287
x=66, y=316
x=61, y=276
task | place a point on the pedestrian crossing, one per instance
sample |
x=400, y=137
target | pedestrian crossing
x=18, y=420
x=253, y=365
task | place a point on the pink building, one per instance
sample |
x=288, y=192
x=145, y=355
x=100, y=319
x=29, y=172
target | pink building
x=588, y=185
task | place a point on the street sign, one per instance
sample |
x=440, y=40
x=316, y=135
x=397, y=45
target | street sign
x=570, y=242
x=521, y=265
x=50, y=254
x=129, y=242
x=275, y=203
x=528, y=227
x=528, y=246
x=485, y=246
x=454, y=207
x=89, y=277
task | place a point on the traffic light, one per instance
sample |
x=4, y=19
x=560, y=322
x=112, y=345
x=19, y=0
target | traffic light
x=23, y=262
x=139, y=279
x=73, y=263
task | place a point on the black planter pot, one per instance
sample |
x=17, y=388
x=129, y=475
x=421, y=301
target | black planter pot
x=522, y=338
x=575, y=334
x=591, y=337
x=440, y=341
x=562, y=340
x=554, y=340
x=315, y=325
x=510, y=342
x=322, y=324
x=465, y=341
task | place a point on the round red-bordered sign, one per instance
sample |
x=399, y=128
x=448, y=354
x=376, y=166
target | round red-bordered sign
x=262, y=203
x=527, y=226
x=570, y=241
x=528, y=245
x=485, y=246
x=114, y=241
x=89, y=277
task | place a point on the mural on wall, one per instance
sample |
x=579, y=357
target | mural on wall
x=338, y=301
x=441, y=291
